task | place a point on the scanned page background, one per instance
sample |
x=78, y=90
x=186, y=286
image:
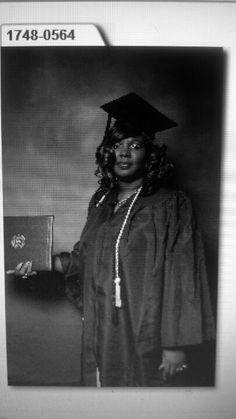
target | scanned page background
x=183, y=24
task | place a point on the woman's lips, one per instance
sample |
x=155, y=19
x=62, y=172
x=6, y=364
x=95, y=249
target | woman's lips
x=123, y=165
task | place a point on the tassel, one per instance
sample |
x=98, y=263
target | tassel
x=118, y=302
x=117, y=292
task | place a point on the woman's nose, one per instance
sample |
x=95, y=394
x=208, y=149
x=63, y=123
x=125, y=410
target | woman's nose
x=125, y=151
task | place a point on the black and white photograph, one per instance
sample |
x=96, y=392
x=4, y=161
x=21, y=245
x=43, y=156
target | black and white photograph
x=111, y=164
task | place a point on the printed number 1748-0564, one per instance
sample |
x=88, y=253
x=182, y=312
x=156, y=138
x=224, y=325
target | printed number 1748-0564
x=46, y=34
x=50, y=35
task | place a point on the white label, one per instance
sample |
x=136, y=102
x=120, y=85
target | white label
x=51, y=35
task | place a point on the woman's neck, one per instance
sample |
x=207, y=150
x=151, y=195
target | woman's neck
x=127, y=188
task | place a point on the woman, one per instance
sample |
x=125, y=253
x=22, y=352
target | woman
x=138, y=271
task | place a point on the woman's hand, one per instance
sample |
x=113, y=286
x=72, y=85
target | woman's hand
x=24, y=270
x=173, y=362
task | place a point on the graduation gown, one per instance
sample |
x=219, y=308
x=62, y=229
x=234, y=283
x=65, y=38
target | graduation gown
x=164, y=291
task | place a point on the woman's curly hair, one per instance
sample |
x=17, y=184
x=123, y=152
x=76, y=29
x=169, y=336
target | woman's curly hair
x=158, y=170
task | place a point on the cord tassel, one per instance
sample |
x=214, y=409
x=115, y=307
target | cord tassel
x=117, y=292
x=118, y=302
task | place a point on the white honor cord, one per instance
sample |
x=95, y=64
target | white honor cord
x=118, y=302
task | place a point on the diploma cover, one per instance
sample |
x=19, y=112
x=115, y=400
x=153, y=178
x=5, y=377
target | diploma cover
x=28, y=238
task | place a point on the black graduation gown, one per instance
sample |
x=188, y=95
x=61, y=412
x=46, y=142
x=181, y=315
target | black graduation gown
x=165, y=297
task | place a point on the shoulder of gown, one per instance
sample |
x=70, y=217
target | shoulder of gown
x=171, y=199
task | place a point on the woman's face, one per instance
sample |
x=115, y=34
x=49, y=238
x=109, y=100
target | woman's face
x=130, y=158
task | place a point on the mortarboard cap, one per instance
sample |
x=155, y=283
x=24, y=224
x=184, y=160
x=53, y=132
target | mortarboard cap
x=133, y=109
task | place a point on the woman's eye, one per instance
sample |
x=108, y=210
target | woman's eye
x=135, y=146
x=115, y=146
x=132, y=146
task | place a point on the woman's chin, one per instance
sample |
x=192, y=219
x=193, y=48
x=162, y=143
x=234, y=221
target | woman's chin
x=128, y=175
x=129, y=178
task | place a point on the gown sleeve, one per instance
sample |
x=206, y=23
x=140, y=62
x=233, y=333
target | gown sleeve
x=187, y=317
x=71, y=269
x=73, y=286
x=70, y=261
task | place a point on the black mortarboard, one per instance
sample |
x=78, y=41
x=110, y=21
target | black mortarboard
x=133, y=109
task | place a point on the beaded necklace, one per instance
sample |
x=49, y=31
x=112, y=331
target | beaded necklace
x=120, y=202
